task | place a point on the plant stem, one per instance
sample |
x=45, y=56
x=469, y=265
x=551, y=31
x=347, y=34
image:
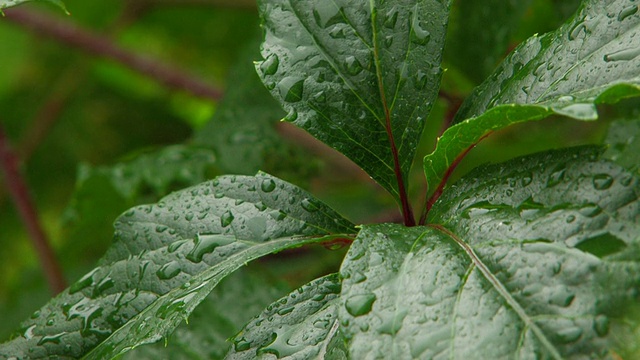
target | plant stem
x=407, y=212
x=73, y=35
x=454, y=164
x=20, y=195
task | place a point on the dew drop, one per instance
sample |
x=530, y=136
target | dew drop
x=601, y=325
x=557, y=176
x=54, y=339
x=270, y=65
x=291, y=116
x=358, y=305
x=420, y=80
x=327, y=14
x=291, y=88
x=353, y=65
x=569, y=335
x=309, y=205
x=176, y=245
x=391, y=18
x=226, y=219
x=602, y=181
x=241, y=345
x=84, y=282
x=268, y=185
x=623, y=55
x=188, y=216
x=205, y=244
x=628, y=11
x=526, y=180
x=169, y=270
x=419, y=35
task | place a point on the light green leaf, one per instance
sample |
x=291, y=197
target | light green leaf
x=166, y=258
x=354, y=73
x=534, y=258
x=591, y=59
x=9, y=3
x=230, y=305
x=305, y=325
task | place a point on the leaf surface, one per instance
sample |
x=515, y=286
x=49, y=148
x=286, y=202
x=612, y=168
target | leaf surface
x=354, y=73
x=10, y=3
x=591, y=59
x=534, y=258
x=166, y=258
x=305, y=324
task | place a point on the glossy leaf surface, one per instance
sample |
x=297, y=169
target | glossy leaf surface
x=305, y=325
x=354, y=73
x=591, y=59
x=166, y=258
x=9, y=3
x=534, y=258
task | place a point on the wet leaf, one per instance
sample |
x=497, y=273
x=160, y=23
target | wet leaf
x=303, y=325
x=623, y=141
x=349, y=71
x=9, y=3
x=534, y=258
x=166, y=258
x=591, y=59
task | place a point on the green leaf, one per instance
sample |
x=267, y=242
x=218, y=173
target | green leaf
x=10, y=3
x=591, y=59
x=354, y=73
x=230, y=305
x=167, y=257
x=533, y=258
x=305, y=325
x=623, y=140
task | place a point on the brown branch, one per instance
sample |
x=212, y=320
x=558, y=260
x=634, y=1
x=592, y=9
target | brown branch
x=95, y=44
x=454, y=164
x=20, y=195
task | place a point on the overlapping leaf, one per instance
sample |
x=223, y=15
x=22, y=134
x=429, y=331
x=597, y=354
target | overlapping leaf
x=534, y=258
x=166, y=258
x=591, y=59
x=357, y=74
x=305, y=325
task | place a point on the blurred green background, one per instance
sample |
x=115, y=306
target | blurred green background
x=95, y=137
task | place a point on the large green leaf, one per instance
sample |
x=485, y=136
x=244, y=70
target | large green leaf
x=591, y=59
x=230, y=305
x=9, y=3
x=534, y=258
x=623, y=140
x=357, y=74
x=166, y=258
x=305, y=325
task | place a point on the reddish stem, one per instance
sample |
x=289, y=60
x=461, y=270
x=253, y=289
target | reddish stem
x=73, y=35
x=436, y=194
x=20, y=195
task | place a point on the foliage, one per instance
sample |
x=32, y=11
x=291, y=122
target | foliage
x=534, y=257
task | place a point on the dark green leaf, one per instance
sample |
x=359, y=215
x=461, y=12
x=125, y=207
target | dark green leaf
x=302, y=325
x=166, y=258
x=591, y=59
x=230, y=305
x=623, y=141
x=534, y=258
x=349, y=71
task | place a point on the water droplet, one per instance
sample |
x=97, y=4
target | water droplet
x=188, y=216
x=557, y=176
x=241, y=345
x=337, y=33
x=176, y=245
x=205, y=244
x=623, y=55
x=291, y=88
x=327, y=14
x=268, y=185
x=628, y=11
x=420, y=80
x=602, y=181
x=575, y=32
x=54, y=339
x=391, y=324
x=270, y=65
x=391, y=18
x=569, y=335
x=86, y=311
x=580, y=111
x=601, y=325
x=570, y=219
x=226, y=219
x=353, y=65
x=526, y=180
x=103, y=285
x=28, y=333
x=36, y=314
x=358, y=305
x=388, y=41
x=419, y=35
x=310, y=205
x=169, y=270
x=84, y=282
x=590, y=210
x=161, y=228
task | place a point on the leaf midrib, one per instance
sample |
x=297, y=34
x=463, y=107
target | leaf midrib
x=501, y=289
